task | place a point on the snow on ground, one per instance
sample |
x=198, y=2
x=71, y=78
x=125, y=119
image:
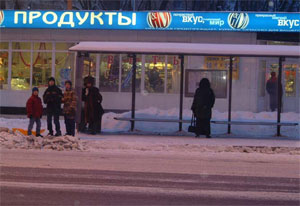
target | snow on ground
x=109, y=125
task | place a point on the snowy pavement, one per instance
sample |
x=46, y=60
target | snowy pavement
x=112, y=126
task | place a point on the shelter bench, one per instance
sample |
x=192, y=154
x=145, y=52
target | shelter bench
x=212, y=121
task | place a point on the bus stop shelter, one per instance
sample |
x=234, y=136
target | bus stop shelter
x=186, y=49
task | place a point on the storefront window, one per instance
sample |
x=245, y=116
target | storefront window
x=217, y=80
x=42, y=64
x=290, y=79
x=64, y=68
x=89, y=66
x=20, y=79
x=109, y=72
x=3, y=70
x=127, y=73
x=21, y=45
x=222, y=63
x=63, y=46
x=173, y=76
x=154, y=73
x=3, y=45
x=42, y=46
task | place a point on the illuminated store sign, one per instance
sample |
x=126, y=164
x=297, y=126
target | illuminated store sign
x=189, y=21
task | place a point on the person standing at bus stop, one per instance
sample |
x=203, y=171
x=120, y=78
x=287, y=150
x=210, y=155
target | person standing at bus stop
x=52, y=97
x=203, y=103
x=93, y=110
x=272, y=89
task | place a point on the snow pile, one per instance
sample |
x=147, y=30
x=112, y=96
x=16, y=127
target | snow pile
x=16, y=140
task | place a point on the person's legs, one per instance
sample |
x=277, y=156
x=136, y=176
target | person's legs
x=72, y=127
x=57, y=124
x=207, y=127
x=30, y=126
x=67, y=125
x=38, y=126
x=198, y=127
x=49, y=123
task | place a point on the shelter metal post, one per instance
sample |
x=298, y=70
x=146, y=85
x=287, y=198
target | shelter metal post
x=133, y=90
x=78, y=86
x=181, y=90
x=279, y=94
x=230, y=94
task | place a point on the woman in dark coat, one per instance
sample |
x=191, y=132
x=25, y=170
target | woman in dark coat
x=93, y=110
x=203, y=103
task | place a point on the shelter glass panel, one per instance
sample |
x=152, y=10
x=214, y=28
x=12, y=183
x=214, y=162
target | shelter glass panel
x=173, y=75
x=42, y=64
x=126, y=81
x=63, y=45
x=20, y=76
x=109, y=72
x=3, y=70
x=89, y=66
x=154, y=73
x=64, y=67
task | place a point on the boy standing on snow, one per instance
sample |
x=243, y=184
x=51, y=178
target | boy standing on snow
x=69, y=108
x=34, y=109
x=52, y=97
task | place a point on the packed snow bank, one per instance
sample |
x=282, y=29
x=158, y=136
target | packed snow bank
x=16, y=140
x=109, y=124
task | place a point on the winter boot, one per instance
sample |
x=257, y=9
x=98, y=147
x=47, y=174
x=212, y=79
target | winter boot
x=39, y=135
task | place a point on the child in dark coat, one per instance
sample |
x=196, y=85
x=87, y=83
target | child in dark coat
x=34, y=109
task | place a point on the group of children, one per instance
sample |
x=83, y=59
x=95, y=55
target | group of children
x=53, y=98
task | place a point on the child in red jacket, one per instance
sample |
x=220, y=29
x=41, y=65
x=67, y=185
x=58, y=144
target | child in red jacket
x=34, y=109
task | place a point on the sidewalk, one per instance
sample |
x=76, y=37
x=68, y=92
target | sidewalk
x=221, y=140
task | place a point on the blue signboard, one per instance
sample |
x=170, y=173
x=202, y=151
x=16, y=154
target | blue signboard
x=158, y=20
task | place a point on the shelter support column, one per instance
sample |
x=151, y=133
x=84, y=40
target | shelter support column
x=78, y=86
x=133, y=56
x=181, y=91
x=279, y=94
x=230, y=94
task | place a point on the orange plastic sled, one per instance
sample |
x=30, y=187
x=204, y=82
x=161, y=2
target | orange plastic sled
x=25, y=132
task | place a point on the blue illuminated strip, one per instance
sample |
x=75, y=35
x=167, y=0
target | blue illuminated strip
x=189, y=21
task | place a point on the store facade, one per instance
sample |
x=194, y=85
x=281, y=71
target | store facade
x=28, y=57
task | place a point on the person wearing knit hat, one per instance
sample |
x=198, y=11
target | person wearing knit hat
x=53, y=97
x=34, y=110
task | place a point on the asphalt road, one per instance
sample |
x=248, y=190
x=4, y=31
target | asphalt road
x=52, y=186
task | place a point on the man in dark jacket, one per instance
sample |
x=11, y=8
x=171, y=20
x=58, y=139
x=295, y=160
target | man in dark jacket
x=34, y=110
x=93, y=110
x=52, y=97
x=272, y=89
x=203, y=103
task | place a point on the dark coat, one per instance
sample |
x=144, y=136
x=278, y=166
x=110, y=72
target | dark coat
x=34, y=107
x=52, y=97
x=92, y=105
x=203, y=103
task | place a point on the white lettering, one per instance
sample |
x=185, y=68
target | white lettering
x=93, y=17
x=33, y=15
x=187, y=19
x=16, y=20
x=125, y=18
x=62, y=19
x=110, y=17
x=54, y=16
x=134, y=19
x=82, y=20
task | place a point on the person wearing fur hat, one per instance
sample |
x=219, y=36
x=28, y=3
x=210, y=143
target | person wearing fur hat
x=69, y=109
x=52, y=97
x=34, y=109
x=93, y=110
